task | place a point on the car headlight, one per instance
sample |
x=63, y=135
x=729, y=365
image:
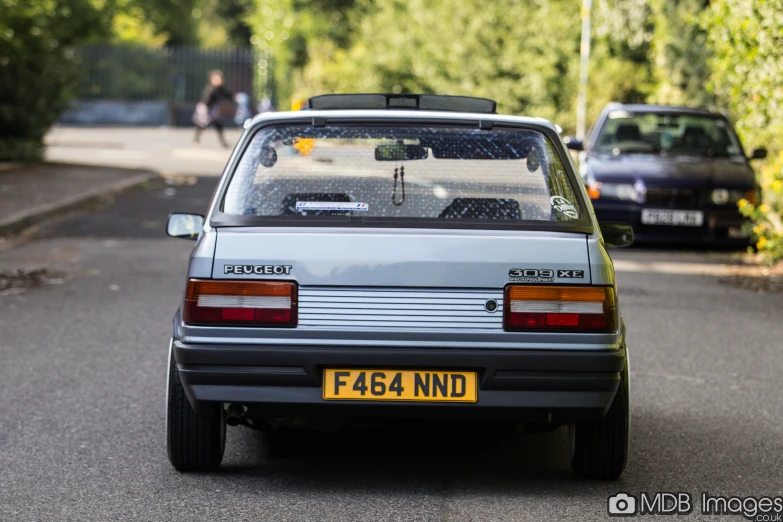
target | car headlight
x=622, y=191
x=722, y=196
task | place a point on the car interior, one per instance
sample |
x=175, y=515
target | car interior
x=441, y=177
x=650, y=133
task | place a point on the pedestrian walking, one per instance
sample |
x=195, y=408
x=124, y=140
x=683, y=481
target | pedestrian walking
x=208, y=108
x=244, y=111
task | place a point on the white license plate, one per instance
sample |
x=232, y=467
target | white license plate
x=677, y=218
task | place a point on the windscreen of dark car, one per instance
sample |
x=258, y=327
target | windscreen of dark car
x=402, y=173
x=654, y=132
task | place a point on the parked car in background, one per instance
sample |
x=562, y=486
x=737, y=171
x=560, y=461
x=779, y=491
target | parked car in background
x=674, y=173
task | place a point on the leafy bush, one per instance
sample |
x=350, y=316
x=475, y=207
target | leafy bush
x=767, y=217
x=746, y=59
x=36, y=68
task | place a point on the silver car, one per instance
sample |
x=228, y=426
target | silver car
x=390, y=256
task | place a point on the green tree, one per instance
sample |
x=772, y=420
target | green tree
x=36, y=67
x=621, y=69
x=679, y=53
x=519, y=53
x=233, y=15
x=151, y=22
x=295, y=33
x=745, y=39
x=275, y=34
x=523, y=54
x=175, y=18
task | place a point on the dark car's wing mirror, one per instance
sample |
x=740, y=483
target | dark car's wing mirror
x=617, y=234
x=758, y=154
x=573, y=143
x=185, y=226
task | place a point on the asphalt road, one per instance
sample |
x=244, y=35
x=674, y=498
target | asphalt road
x=82, y=383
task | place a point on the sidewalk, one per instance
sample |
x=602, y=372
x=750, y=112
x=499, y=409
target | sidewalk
x=31, y=193
x=86, y=165
x=169, y=151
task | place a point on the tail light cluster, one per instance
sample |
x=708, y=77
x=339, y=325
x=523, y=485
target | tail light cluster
x=242, y=303
x=559, y=308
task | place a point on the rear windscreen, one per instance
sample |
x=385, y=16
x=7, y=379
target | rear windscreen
x=401, y=173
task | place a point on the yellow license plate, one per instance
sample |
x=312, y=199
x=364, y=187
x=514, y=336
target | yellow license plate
x=400, y=385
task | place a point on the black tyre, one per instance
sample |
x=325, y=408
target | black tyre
x=195, y=441
x=599, y=449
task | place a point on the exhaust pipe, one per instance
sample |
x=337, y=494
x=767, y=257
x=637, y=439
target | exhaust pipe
x=235, y=414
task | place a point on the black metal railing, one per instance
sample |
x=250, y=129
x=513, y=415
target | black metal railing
x=135, y=73
x=175, y=76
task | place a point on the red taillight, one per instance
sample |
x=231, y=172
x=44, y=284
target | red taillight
x=243, y=303
x=559, y=308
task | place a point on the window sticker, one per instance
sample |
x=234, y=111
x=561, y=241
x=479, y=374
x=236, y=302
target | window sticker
x=331, y=205
x=563, y=206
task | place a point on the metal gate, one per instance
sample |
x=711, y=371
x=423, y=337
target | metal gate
x=135, y=85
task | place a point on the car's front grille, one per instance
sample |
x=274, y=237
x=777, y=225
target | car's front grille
x=672, y=197
x=410, y=308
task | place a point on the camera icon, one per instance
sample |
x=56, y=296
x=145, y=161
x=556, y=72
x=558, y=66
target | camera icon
x=622, y=505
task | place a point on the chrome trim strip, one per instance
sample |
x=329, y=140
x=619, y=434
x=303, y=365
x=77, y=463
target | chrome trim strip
x=382, y=322
x=598, y=345
x=399, y=337
x=433, y=294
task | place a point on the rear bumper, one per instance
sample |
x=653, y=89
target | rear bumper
x=521, y=385
x=718, y=228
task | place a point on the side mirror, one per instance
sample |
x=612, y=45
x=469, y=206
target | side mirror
x=617, y=234
x=185, y=226
x=758, y=154
x=573, y=143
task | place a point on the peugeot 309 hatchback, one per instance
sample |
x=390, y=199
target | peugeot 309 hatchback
x=390, y=256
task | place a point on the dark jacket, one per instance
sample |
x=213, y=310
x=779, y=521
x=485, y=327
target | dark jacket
x=212, y=95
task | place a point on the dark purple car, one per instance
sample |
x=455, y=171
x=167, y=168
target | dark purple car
x=674, y=173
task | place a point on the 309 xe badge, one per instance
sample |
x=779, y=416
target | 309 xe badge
x=542, y=275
